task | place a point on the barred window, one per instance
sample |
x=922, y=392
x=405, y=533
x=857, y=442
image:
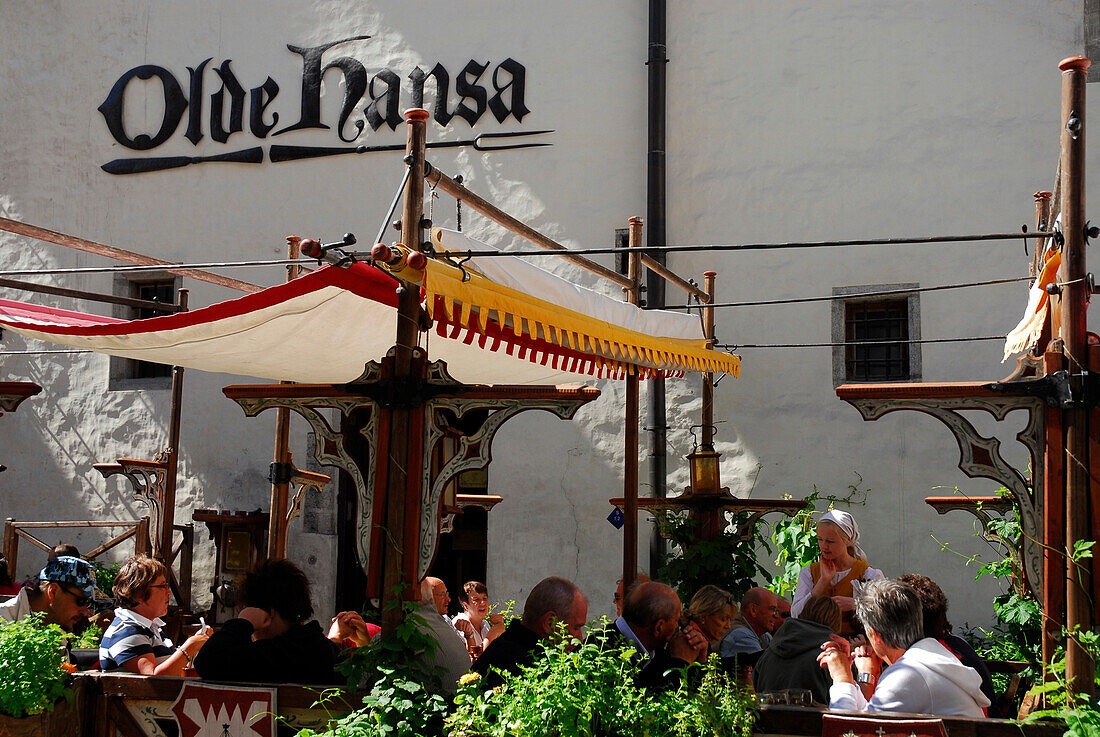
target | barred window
x=872, y=335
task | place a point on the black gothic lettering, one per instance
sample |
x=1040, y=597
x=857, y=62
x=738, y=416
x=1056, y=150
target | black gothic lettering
x=217, y=105
x=311, y=84
x=174, y=105
x=516, y=83
x=194, y=115
x=442, y=89
x=261, y=98
x=467, y=88
x=355, y=84
x=390, y=96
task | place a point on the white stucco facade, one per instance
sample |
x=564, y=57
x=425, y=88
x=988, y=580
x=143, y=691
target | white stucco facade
x=787, y=121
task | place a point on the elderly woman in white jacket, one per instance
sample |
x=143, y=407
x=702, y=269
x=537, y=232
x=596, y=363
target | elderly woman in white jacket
x=921, y=675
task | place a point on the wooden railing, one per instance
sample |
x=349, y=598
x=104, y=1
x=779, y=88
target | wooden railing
x=14, y=531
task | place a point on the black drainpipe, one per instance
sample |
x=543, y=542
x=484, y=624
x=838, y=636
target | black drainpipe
x=655, y=230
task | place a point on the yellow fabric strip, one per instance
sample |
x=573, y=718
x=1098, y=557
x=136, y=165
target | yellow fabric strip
x=619, y=343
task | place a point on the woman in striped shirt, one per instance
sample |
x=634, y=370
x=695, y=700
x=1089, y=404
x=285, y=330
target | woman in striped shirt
x=135, y=640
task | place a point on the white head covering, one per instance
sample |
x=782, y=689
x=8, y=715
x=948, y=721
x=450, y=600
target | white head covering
x=847, y=525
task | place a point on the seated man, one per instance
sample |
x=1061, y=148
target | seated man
x=650, y=623
x=272, y=640
x=791, y=660
x=451, y=655
x=554, y=600
x=752, y=630
x=63, y=594
x=922, y=676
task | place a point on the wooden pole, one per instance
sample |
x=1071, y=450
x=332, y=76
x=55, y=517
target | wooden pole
x=168, y=504
x=498, y=216
x=1054, y=521
x=1042, y=221
x=630, y=470
x=280, y=491
x=1079, y=667
x=80, y=244
x=400, y=538
x=708, y=378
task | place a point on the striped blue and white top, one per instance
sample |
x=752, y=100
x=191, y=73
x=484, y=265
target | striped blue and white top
x=131, y=635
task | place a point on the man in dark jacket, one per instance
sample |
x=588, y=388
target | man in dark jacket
x=554, y=600
x=791, y=659
x=271, y=640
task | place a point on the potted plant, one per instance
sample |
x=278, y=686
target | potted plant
x=36, y=698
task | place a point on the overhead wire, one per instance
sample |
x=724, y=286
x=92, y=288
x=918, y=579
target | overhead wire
x=857, y=343
x=835, y=297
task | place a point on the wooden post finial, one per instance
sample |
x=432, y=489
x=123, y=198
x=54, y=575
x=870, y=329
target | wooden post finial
x=710, y=274
x=1075, y=64
x=1043, y=195
x=635, y=220
x=417, y=114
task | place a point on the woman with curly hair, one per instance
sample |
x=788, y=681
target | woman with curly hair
x=135, y=639
x=272, y=639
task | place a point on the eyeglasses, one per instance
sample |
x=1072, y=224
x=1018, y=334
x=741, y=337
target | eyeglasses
x=158, y=586
x=79, y=599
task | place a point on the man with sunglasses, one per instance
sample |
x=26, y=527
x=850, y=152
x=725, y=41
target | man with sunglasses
x=64, y=594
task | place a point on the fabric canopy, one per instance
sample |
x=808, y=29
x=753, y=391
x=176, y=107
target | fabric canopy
x=522, y=326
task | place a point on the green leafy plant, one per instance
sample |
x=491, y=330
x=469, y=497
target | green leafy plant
x=31, y=667
x=105, y=574
x=591, y=692
x=89, y=638
x=728, y=562
x=405, y=694
x=1076, y=711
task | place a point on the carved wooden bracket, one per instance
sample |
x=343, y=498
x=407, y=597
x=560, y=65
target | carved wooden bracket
x=979, y=456
x=470, y=414
x=12, y=393
x=466, y=501
x=147, y=479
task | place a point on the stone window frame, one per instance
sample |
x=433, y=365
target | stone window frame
x=868, y=293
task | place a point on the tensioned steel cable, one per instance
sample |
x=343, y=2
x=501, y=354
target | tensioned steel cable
x=155, y=267
x=763, y=246
x=856, y=343
x=852, y=295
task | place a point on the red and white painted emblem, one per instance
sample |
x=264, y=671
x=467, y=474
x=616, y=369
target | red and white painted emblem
x=203, y=710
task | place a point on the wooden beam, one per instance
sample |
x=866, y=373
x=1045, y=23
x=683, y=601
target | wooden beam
x=630, y=454
x=80, y=244
x=668, y=275
x=441, y=181
x=1075, y=296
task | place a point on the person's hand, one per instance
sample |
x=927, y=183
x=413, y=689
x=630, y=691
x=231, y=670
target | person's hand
x=255, y=616
x=836, y=655
x=866, y=661
x=464, y=626
x=194, y=643
x=846, y=603
x=496, y=619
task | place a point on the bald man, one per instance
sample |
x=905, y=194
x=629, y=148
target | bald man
x=450, y=654
x=752, y=630
x=650, y=624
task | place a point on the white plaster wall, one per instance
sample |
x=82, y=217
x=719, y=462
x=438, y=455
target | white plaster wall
x=787, y=121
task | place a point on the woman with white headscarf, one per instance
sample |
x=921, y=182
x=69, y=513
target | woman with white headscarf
x=839, y=570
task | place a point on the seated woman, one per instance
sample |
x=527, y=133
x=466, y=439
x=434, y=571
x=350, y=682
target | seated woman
x=135, y=639
x=475, y=623
x=839, y=571
x=711, y=611
x=934, y=609
x=272, y=640
x=791, y=660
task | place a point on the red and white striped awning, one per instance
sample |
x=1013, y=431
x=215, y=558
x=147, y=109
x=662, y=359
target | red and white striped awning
x=325, y=326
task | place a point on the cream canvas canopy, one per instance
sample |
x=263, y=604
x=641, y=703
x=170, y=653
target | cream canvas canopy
x=499, y=321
